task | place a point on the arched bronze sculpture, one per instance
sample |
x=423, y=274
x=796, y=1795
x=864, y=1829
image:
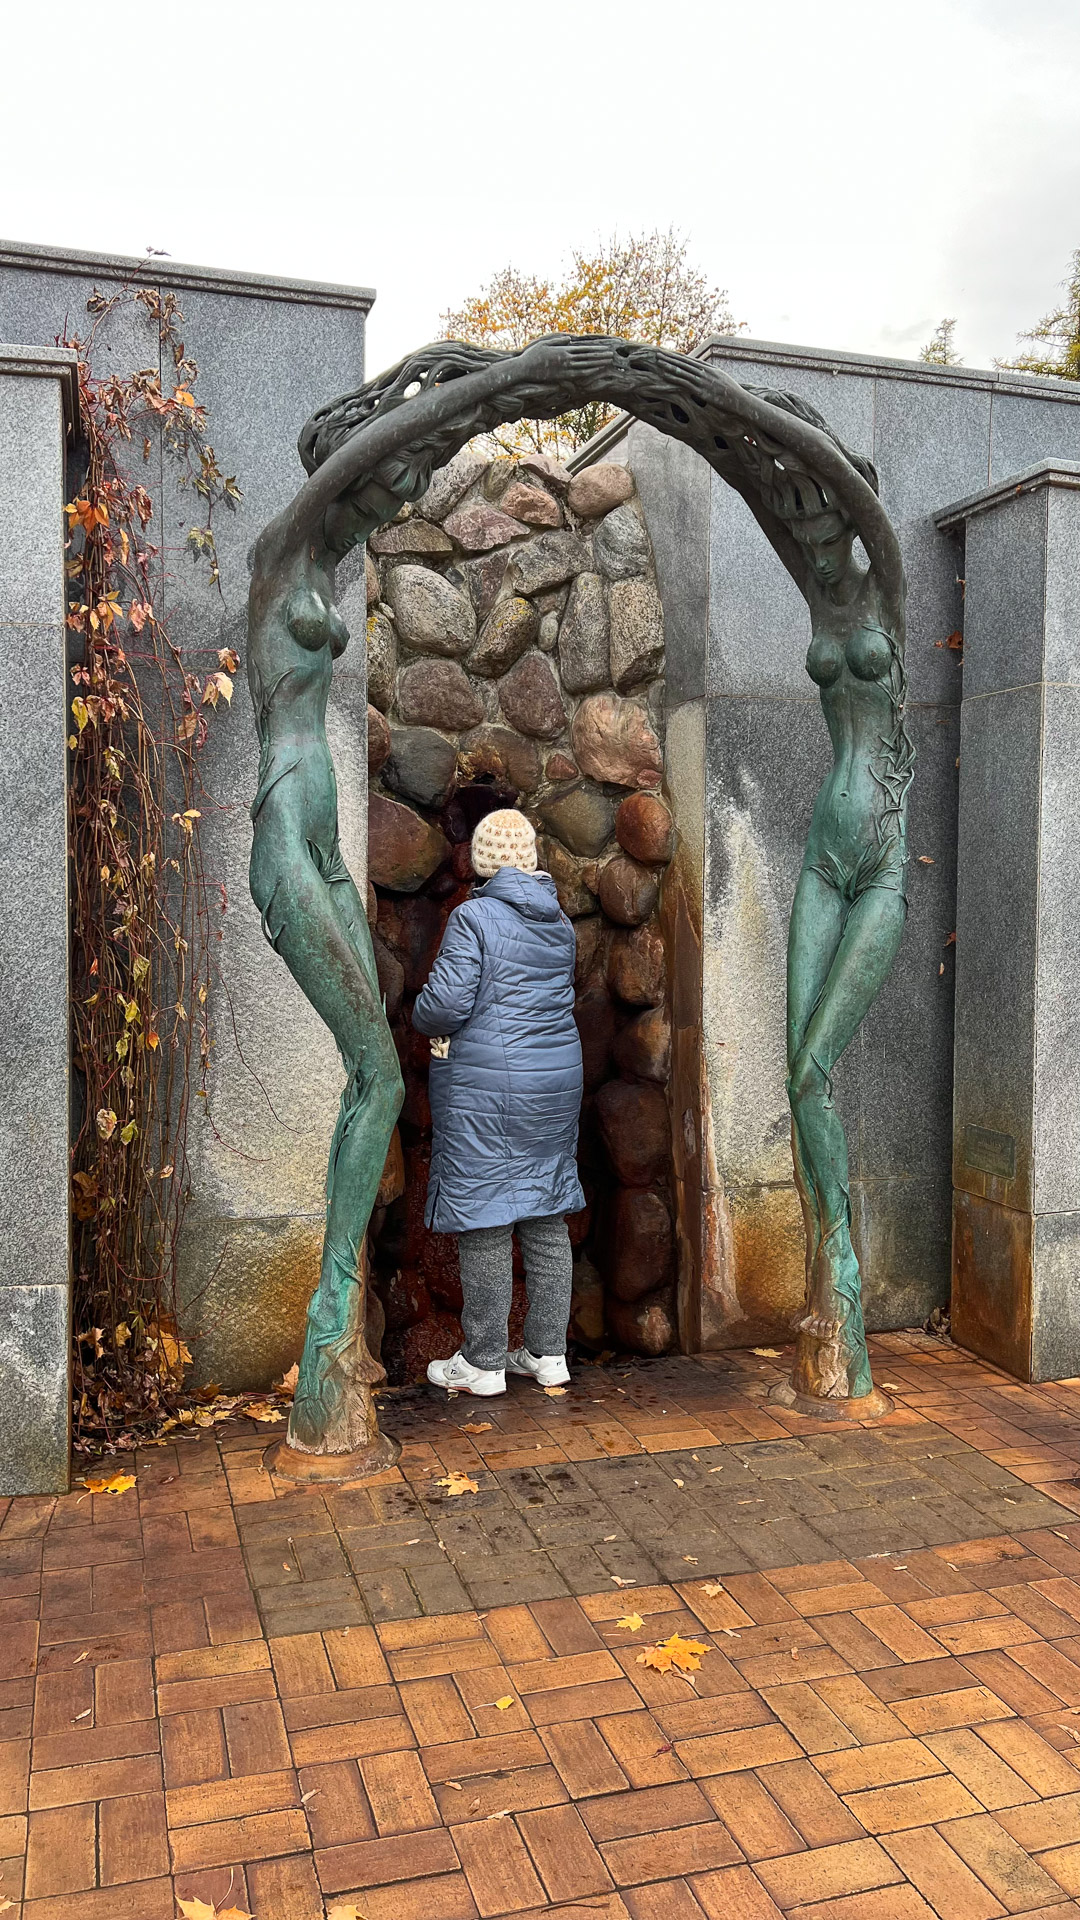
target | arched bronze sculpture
x=366, y=455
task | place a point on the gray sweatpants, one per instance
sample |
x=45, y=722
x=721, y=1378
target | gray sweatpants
x=486, y=1257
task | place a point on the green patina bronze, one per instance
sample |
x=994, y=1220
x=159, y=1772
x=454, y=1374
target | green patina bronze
x=368, y=454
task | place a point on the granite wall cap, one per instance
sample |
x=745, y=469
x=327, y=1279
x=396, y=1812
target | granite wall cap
x=174, y=273
x=1045, y=473
x=47, y=363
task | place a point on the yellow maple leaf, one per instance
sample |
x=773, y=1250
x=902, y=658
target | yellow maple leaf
x=554, y=1392
x=683, y=1655
x=261, y=1410
x=631, y=1621
x=457, y=1483
x=712, y=1588
x=349, y=1912
x=117, y=1483
x=767, y=1353
x=477, y=1426
x=233, y=1913
x=506, y=1701
x=288, y=1381
x=195, y=1909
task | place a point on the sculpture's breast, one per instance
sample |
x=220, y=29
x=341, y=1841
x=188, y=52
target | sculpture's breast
x=869, y=654
x=825, y=659
x=314, y=622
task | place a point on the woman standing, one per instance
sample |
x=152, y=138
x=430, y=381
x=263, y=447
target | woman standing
x=505, y=1087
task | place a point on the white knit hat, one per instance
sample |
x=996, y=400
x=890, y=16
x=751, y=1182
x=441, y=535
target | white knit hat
x=503, y=839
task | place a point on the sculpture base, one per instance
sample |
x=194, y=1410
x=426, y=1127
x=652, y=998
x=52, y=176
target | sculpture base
x=327, y=1468
x=867, y=1406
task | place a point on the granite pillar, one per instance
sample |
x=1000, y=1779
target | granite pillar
x=1016, y=1090
x=38, y=403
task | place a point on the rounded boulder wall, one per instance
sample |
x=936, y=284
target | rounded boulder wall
x=548, y=561
x=532, y=505
x=647, y=1327
x=621, y=545
x=636, y=972
x=450, y=483
x=436, y=693
x=643, y=1048
x=589, y=934
x=582, y=819
x=587, y=1305
x=372, y=589
x=560, y=767
x=403, y=849
x=645, y=829
x=634, y=1127
x=575, y=897
x=640, y=1247
x=530, y=699
x=596, y=490
x=546, y=469
x=421, y=766
x=595, y=1017
x=510, y=627
x=413, y=535
x=381, y=660
x=584, y=638
x=431, y=614
x=378, y=742
x=628, y=892
x=412, y=928
x=614, y=742
x=478, y=527
x=497, y=753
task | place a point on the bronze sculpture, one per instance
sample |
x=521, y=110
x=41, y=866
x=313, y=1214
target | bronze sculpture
x=366, y=455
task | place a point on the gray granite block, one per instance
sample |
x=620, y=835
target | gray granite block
x=35, y=1400
x=1004, y=612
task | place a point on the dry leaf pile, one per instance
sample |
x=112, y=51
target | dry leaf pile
x=117, y=1483
x=675, y=1653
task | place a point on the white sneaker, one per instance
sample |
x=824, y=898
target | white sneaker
x=549, y=1370
x=460, y=1377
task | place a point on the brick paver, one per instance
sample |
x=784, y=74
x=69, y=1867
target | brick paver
x=218, y=1687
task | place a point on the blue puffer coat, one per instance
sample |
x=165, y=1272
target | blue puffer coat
x=505, y=1105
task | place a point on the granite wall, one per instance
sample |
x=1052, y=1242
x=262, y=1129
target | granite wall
x=268, y=352
x=38, y=408
x=746, y=750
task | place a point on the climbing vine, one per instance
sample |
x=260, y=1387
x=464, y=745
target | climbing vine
x=144, y=912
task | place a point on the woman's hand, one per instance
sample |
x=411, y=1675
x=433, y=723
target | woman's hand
x=440, y=1046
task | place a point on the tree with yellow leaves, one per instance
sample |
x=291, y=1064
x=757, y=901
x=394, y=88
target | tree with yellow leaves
x=641, y=288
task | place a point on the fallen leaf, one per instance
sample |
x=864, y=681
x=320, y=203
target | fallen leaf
x=925, y=860
x=506, y=1701
x=477, y=1426
x=455, y=1483
x=631, y=1621
x=668, y=1749
x=195, y=1909
x=262, y=1410
x=767, y=1353
x=620, y=1583
x=349, y=1912
x=691, y=1559
x=233, y=1913
x=84, y=1655
x=892, y=1386
x=680, y=1483
x=287, y=1383
x=554, y=1392
x=683, y=1655
x=119, y=1483
x=456, y=1784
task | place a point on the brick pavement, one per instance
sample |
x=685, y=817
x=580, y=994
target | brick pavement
x=216, y=1686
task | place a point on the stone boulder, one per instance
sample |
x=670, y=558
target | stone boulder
x=484, y=578
x=372, y=589
x=391, y=975
x=378, y=742
x=412, y=929
x=532, y=505
x=498, y=475
x=431, y=614
x=614, y=741
x=559, y=766
x=621, y=545
x=511, y=626
x=628, y=892
x=478, y=527
x=575, y=898
x=547, y=470
x=587, y=1305
x=647, y=1327
x=589, y=958
x=636, y=967
x=645, y=829
x=634, y=1127
x=584, y=642
x=381, y=661
x=643, y=1049
x=581, y=818
x=548, y=637
x=499, y=754
x=411, y=536
x=595, y=1017
x=636, y=633
x=547, y=561
x=403, y=850
x=449, y=483
x=639, y=1249
x=597, y=490
x=421, y=766
x=530, y=699
x=436, y=693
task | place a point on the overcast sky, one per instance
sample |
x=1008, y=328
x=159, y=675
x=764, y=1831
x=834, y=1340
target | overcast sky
x=850, y=171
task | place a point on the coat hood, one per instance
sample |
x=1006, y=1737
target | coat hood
x=533, y=894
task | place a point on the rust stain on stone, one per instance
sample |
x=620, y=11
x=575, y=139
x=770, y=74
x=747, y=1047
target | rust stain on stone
x=992, y=1281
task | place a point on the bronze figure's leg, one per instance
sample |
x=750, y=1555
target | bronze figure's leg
x=838, y=959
